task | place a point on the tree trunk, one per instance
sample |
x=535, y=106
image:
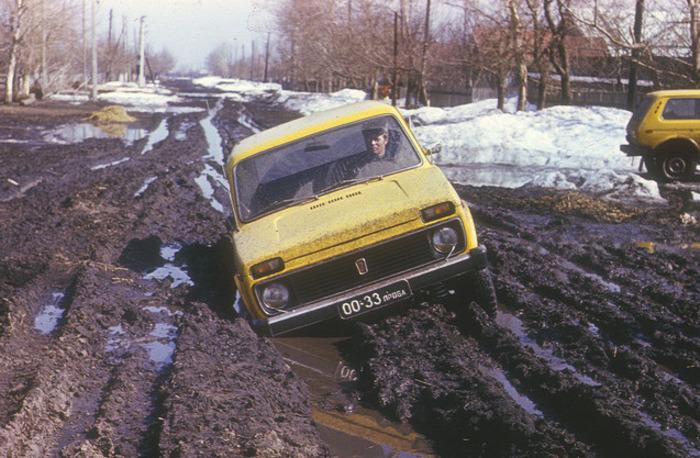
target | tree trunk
x=519, y=56
x=559, y=55
x=10, y=77
x=15, y=39
x=542, y=89
x=693, y=6
x=501, y=93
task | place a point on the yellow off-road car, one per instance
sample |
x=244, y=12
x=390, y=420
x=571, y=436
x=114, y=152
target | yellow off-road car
x=665, y=131
x=341, y=213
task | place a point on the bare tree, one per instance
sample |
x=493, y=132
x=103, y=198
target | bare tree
x=559, y=22
x=15, y=12
x=516, y=27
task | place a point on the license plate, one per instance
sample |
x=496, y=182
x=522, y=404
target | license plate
x=374, y=299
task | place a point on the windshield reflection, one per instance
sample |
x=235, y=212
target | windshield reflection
x=300, y=171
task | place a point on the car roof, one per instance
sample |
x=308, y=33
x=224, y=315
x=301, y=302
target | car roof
x=676, y=93
x=307, y=125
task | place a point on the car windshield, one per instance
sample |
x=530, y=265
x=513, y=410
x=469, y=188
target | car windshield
x=300, y=171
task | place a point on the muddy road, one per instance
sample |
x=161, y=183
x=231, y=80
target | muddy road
x=118, y=335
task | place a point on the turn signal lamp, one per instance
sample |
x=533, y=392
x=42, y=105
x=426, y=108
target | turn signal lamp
x=266, y=268
x=437, y=211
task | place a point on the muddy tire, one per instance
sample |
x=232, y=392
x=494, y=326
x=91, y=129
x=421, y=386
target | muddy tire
x=476, y=287
x=674, y=165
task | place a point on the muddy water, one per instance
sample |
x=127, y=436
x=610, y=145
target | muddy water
x=349, y=428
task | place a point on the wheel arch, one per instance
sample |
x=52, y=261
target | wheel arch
x=678, y=143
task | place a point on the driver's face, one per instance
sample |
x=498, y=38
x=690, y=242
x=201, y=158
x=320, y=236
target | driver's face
x=378, y=144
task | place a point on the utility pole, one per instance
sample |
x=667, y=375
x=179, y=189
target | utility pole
x=142, y=52
x=267, y=57
x=252, y=60
x=395, y=77
x=44, y=76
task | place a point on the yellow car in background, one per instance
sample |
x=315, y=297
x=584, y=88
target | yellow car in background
x=665, y=131
x=339, y=214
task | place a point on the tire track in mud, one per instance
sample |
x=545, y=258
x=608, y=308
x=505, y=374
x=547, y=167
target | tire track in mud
x=120, y=373
x=579, y=295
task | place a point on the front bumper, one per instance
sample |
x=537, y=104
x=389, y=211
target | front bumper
x=418, y=279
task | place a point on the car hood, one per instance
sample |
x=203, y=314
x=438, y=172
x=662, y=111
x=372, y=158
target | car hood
x=342, y=220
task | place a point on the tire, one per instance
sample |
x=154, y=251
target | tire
x=477, y=287
x=675, y=166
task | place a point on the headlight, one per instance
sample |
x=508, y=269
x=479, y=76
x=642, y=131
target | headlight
x=275, y=295
x=445, y=240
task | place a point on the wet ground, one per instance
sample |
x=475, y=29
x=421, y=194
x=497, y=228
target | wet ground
x=118, y=336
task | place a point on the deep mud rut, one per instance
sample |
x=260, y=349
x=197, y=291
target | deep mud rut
x=118, y=336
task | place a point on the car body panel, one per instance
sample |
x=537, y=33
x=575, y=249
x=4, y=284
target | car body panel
x=338, y=224
x=654, y=127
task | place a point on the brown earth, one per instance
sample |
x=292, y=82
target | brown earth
x=595, y=350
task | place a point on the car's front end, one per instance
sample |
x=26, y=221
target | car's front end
x=342, y=249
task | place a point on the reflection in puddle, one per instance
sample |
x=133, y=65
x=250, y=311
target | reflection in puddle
x=143, y=188
x=109, y=164
x=160, y=342
x=350, y=429
x=522, y=401
x=78, y=132
x=672, y=433
x=212, y=179
x=508, y=321
x=114, y=340
x=158, y=135
x=210, y=175
x=212, y=135
x=177, y=273
x=48, y=318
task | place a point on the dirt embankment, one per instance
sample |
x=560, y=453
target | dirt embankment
x=595, y=350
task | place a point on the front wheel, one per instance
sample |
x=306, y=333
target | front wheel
x=675, y=166
x=477, y=287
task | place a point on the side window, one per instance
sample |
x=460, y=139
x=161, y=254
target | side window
x=682, y=109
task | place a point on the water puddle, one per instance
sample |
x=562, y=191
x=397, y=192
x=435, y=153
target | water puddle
x=161, y=351
x=143, y=188
x=523, y=401
x=159, y=343
x=173, y=270
x=347, y=427
x=47, y=320
x=212, y=179
x=78, y=132
x=114, y=338
x=672, y=433
x=181, y=133
x=110, y=164
x=158, y=135
x=208, y=182
x=211, y=133
x=245, y=120
x=508, y=321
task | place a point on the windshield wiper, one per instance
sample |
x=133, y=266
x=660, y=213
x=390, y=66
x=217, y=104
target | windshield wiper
x=350, y=181
x=288, y=203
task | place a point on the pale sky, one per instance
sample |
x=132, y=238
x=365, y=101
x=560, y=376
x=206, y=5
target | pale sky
x=189, y=29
